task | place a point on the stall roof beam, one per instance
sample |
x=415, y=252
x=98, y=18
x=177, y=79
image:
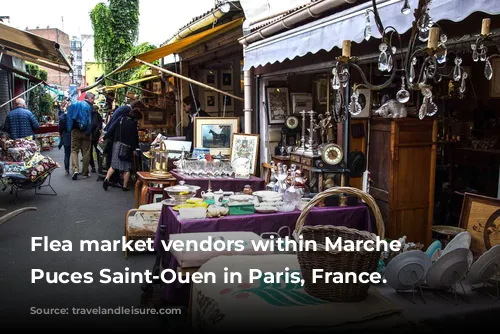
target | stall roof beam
x=130, y=83
x=329, y=32
x=188, y=79
x=28, y=46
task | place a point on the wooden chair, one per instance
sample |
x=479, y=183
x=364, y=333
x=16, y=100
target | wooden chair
x=265, y=171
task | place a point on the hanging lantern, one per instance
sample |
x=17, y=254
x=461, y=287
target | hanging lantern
x=159, y=161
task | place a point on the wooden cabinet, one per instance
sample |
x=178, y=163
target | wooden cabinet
x=402, y=161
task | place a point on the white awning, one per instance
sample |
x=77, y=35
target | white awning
x=329, y=32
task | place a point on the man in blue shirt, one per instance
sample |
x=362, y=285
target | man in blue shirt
x=79, y=123
x=20, y=122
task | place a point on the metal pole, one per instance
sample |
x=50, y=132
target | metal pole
x=38, y=84
x=130, y=86
x=188, y=79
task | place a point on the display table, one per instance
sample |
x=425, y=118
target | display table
x=227, y=184
x=357, y=217
x=144, y=180
x=53, y=128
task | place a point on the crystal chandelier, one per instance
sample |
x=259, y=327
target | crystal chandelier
x=480, y=49
x=413, y=74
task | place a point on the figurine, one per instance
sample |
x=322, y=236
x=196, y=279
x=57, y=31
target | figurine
x=392, y=109
x=325, y=124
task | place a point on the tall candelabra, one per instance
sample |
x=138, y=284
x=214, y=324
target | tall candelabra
x=311, y=150
x=302, y=148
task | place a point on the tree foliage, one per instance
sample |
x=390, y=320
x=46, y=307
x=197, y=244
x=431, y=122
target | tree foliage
x=116, y=28
x=39, y=100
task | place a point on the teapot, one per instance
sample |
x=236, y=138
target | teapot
x=219, y=197
x=209, y=195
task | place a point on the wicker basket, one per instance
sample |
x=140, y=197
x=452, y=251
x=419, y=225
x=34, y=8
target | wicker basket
x=334, y=260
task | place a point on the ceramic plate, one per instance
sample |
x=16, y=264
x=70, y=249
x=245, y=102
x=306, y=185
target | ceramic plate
x=407, y=269
x=449, y=269
x=266, y=194
x=461, y=240
x=433, y=248
x=266, y=209
x=485, y=267
x=241, y=198
x=169, y=202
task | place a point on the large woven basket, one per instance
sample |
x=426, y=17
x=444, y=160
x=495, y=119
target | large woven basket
x=334, y=260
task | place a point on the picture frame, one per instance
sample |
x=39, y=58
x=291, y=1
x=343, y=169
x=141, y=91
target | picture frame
x=211, y=102
x=227, y=80
x=210, y=77
x=245, y=146
x=278, y=104
x=365, y=101
x=222, y=127
x=480, y=217
x=322, y=90
x=157, y=87
x=154, y=116
x=229, y=103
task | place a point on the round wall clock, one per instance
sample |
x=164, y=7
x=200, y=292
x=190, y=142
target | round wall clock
x=332, y=154
x=292, y=122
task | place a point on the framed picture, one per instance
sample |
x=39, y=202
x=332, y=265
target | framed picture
x=227, y=80
x=227, y=103
x=211, y=102
x=481, y=218
x=245, y=146
x=278, y=104
x=210, y=78
x=364, y=100
x=157, y=87
x=154, y=116
x=322, y=90
x=215, y=133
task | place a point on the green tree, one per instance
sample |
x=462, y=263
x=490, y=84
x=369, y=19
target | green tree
x=39, y=100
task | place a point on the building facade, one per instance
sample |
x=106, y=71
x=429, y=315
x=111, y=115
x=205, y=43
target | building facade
x=88, y=48
x=76, y=54
x=58, y=79
x=92, y=72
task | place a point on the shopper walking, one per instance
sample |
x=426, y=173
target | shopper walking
x=79, y=122
x=20, y=122
x=125, y=141
x=65, y=142
x=95, y=135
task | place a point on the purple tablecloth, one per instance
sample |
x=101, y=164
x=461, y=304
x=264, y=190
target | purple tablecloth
x=357, y=217
x=226, y=184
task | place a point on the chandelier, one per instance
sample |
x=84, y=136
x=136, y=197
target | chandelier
x=413, y=74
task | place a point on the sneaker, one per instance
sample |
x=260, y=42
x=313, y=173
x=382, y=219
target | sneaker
x=74, y=176
x=85, y=177
x=67, y=171
x=105, y=184
x=125, y=189
x=93, y=170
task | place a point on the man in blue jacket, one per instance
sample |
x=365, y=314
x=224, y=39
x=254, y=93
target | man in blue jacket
x=79, y=123
x=20, y=122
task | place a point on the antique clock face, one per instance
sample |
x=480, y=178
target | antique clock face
x=292, y=122
x=332, y=154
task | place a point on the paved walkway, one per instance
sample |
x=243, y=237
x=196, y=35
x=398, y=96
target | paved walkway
x=82, y=210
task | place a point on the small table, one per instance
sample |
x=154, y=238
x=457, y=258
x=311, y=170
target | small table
x=145, y=178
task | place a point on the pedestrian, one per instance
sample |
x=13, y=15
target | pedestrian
x=125, y=141
x=95, y=135
x=79, y=122
x=65, y=139
x=20, y=122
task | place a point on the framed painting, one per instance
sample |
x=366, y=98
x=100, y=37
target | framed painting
x=278, y=104
x=227, y=103
x=227, y=80
x=215, y=133
x=322, y=90
x=154, y=116
x=481, y=218
x=210, y=78
x=245, y=146
x=211, y=102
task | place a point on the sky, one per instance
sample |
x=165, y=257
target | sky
x=159, y=19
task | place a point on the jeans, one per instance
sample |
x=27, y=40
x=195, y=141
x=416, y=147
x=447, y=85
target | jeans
x=67, y=155
x=80, y=142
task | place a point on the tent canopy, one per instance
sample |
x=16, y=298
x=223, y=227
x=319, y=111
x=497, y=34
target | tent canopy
x=33, y=48
x=329, y=32
x=179, y=46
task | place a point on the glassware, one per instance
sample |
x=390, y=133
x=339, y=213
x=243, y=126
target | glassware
x=383, y=63
x=412, y=70
x=488, y=70
x=292, y=195
x=335, y=79
x=368, y=26
x=457, y=71
x=406, y=8
x=463, y=85
x=354, y=106
x=403, y=95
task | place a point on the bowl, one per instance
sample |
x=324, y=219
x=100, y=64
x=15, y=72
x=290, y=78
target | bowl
x=181, y=193
x=285, y=206
x=303, y=203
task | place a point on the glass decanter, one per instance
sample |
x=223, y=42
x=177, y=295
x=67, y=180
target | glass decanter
x=272, y=185
x=292, y=194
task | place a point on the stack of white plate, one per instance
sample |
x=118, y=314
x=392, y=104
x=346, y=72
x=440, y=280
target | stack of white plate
x=268, y=196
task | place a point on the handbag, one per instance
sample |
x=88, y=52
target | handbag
x=124, y=150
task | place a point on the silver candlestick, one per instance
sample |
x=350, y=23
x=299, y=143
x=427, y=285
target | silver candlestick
x=311, y=151
x=302, y=147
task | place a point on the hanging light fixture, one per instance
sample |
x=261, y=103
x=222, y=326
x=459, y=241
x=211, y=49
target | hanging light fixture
x=413, y=75
x=480, y=50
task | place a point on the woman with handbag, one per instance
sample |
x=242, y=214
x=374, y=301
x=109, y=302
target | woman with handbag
x=126, y=140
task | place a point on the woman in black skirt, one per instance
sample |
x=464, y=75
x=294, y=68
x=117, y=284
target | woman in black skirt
x=127, y=133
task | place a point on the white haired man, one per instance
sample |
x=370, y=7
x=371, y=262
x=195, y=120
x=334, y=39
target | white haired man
x=79, y=123
x=20, y=122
